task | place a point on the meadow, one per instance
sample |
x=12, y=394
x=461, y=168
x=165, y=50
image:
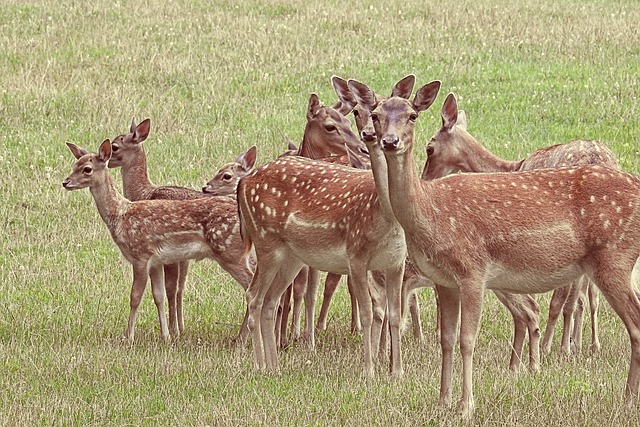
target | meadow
x=216, y=77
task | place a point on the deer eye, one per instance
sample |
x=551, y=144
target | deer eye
x=429, y=150
x=413, y=117
x=114, y=148
x=356, y=113
x=330, y=128
x=227, y=177
x=374, y=118
x=87, y=170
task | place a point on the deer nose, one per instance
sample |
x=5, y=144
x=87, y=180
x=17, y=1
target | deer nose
x=66, y=182
x=368, y=135
x=390, y=142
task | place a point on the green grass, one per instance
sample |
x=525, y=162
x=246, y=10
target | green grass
x=216, y=77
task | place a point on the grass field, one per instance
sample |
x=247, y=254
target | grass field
x=216, y=77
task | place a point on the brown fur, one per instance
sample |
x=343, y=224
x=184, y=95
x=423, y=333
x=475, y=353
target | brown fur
x=473, y=232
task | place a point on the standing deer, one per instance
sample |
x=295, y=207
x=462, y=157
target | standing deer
x=524, y=232
x=296, y=211
x=225, y=180
x=154, y=233
x=523, y=308
x=453, y=149
x=128, y=154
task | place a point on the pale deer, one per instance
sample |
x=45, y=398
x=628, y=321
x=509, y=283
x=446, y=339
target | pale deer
x=128, y=154
x=453, y=149
x=522, y=232
x=523, y=308
x=153, y=233
x=225, y=180
x=296, y=211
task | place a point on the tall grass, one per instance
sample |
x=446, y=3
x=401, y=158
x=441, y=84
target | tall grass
x=216, y=77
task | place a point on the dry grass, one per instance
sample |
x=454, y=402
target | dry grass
x=217, y=77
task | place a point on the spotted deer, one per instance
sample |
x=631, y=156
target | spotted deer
x=129, y=155
x=154, y=233
x=523, y=308
x=327, y=137
x=225, y=180
x=296, y=211
x=522, y=232
x=453, y=149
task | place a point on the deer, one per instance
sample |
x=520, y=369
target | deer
x=474, y=232
x=523, y=308
x=154, y=233
x=296, y=211
x=225, y=180
x=453, y=149
x=129, y=155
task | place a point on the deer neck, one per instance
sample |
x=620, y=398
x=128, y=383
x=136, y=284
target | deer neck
x=405, y=190
x=380, y=176
x=135, y=179
x=109, y=203
x=480, y=159
x=308, y=146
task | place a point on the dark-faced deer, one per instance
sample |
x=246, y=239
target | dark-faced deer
x=154, y=233
x=453, y=149
x=128, y=154
x=523, y=308
x=524, y=232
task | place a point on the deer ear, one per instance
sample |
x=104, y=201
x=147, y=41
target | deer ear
x=104, y=151
x=347, y=100
x=426, y=95
x=354, y=160
x=248, y=158
x=404, y=87
x=314, y=106
x=141, y=132
x=365, y=96
x=449, y=112
x=76, y=151
x=290, y=144
x=132, y=129
x=462, y=120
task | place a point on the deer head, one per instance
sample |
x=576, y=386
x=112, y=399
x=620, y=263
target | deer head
x=87, y=166
x=226, y=179
x=124, y=146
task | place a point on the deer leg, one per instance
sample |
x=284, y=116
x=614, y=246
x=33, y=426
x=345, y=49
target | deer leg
x=282, y=317
x=330, y=286
x=359, y=280
x=310, y=296
x=594, y=303
x=576, y=333
x=520, y=331
x=393, y=287
x=379, y=329
x=255, y=297
x=299, y=288
x=619, y=292
x=158, y=290
x=140, y=274
x=414, y=310
x=356, y=325
x=282, y=279
x=171, y=274
x=471, y=299
x=567, y=315
x=555, y=307
x=449, y=304
x=182, y=280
